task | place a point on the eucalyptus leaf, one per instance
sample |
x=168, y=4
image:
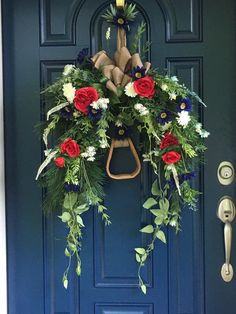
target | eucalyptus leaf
x=158, y=220
x=140, y=251
x=155, y=189
x=80, y=220
x=65, y=217
x=67, y=253
x=65, y=283
x=81, y=209
x=149, y=203
x=147, y=229
x=138, y=258
x=78, y=269
x=144, y=289
x=161, y=236
x=164, y=204
x=144, y=257
x=70, y=200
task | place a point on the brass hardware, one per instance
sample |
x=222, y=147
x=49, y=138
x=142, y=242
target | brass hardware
x=226, y=173
x=122, y=144
x=226, y=213
x=120, y=3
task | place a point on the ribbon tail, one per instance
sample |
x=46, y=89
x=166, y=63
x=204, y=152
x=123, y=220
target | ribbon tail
x=56, y=108
x=45, y=163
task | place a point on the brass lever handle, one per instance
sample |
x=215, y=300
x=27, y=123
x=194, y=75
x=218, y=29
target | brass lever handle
x=226, y=213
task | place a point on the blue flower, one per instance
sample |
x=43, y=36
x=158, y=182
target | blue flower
x=82, y=55
x=138, y=72
x=70, y=187
x=94, y=114
x=182, y=177
x=164, y=117
x=121, y=21
x=121, y=133
x=187, y=176
x=184, y=104
x=66, y=113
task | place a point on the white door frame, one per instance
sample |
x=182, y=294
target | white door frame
x=3, y=247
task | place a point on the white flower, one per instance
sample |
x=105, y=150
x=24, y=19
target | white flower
x=174, y=78
x=198, y=127
x=118, y=123
x=108, y=33
x=68, y=69
x=173, y=222
x=164, y=87
x=69, y=92
x=89, y=153
x=91, y=158
x=103, y=143
x=203, y=133
x=101, y=103
x=91, y=150
x=183, y=118
x=143, y=111
x=84, y=155
x=172, y=96
x=129, y=90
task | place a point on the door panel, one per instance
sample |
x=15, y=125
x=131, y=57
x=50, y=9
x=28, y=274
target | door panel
x=40, y=37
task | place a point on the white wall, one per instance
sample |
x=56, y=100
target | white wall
x=3, y=267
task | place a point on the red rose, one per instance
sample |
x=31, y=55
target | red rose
x=145, y=87
x=84, y=97
x=70, y=147
x=60, y=162
x=171, y=157
x=168, y=140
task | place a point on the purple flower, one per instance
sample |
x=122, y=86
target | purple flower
x=94, y=114
x=70, y=187
x=66, y=113
x=182, y=177
x=164, y=117
x=138, y=72
x=82, y=55
x=121, y=21
x=184, y=104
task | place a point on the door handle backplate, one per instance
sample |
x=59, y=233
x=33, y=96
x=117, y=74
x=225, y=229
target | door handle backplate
x=226, y=213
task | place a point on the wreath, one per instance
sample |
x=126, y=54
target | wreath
x=97, y=106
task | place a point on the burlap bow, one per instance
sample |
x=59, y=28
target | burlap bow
x=118, y=70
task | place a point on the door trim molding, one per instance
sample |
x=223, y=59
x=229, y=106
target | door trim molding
x=3, y=246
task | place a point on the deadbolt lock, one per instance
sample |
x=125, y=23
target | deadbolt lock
x=226, y=173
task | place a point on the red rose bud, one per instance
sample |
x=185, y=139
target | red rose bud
x=171, y=157
x=70, y=147
x=84, y=97
x=145, y=87
x=60, y=162
x=168, y=140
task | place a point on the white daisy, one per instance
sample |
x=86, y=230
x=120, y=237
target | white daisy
x=69, y=92
x=129, y=90
x=183, y=118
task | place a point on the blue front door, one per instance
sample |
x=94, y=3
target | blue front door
x=194, y=40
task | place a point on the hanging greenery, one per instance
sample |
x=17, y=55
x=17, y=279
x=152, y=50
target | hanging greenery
x=97, y=106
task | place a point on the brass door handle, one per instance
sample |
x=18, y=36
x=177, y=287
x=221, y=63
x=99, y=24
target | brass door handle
x=226, y=213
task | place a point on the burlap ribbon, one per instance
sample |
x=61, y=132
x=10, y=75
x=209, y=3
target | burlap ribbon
x=118, y=70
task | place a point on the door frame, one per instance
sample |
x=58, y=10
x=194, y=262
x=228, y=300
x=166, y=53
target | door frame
x=3, y=246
